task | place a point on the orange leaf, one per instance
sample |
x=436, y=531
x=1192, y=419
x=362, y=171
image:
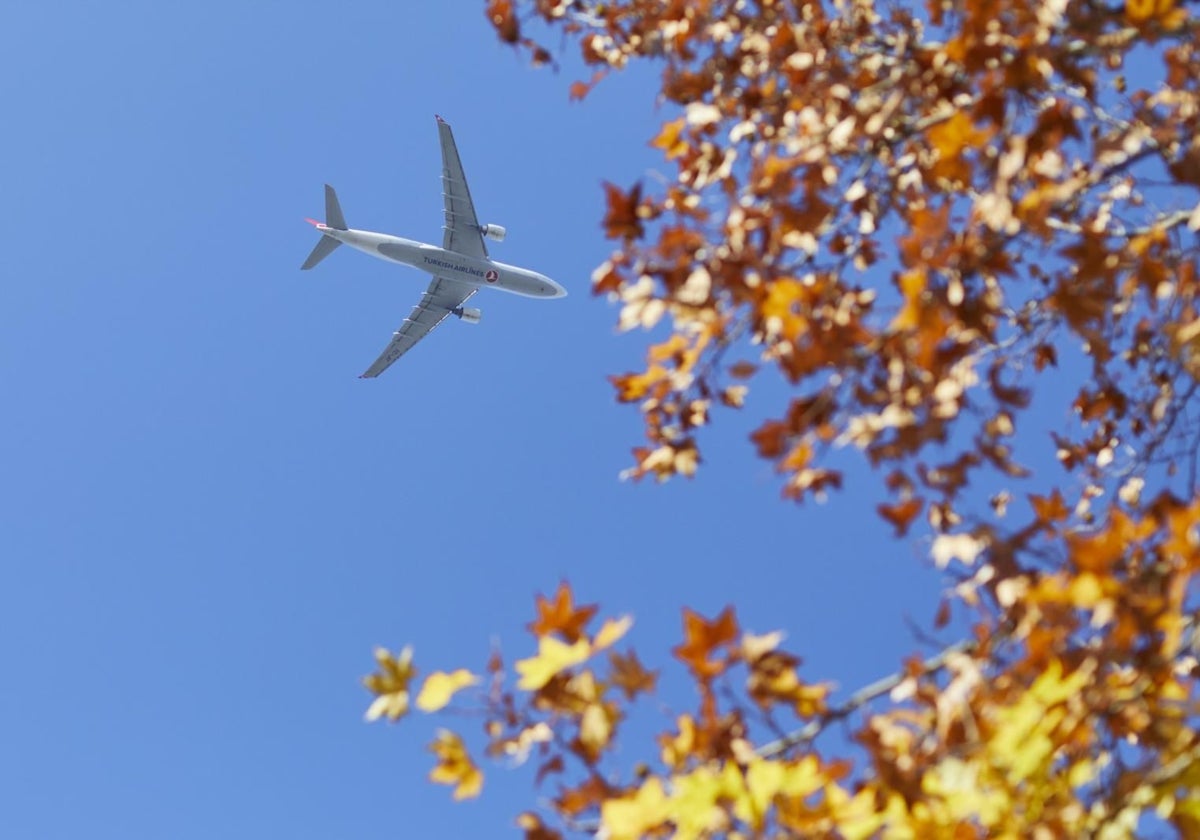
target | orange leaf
x=702, y=638
x=951, y=139
x=912, y=287
x=669, y=139
x=1049, y=510
x=1143, y=11
x=901, y=515
x=561, y=616
x=579, y=90
x=500, y=13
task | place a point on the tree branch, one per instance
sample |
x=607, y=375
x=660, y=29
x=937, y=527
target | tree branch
x=860, y=698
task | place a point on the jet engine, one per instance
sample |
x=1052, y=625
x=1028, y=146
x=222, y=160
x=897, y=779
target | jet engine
x=494, y=232
x=468, y=314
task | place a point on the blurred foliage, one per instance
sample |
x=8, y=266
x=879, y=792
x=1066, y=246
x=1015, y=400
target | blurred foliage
x=908, y=215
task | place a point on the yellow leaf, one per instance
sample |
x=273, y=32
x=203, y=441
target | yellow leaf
x=595, y=728
x=552, y=657
x=455, y=766
x=390, y=684
x=669, y=140
x=693, y=804
x=1142, y=11
x=440, y=687
x=912, y=286
x=676, y=750
x=632, y=817
x=611, y=632
x=766, y=779
x=856, y=818
x=957, y=784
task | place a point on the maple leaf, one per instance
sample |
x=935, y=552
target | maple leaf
x=634, y=816
x=572, y=802
x=561, y=615
x=952, y=138
x=440, y=686
x=454, y=766
x=669, y=139
x=1049, y=510
x=630, y=676
x=552, y=657
x=701, y=640
x=390, y=684
x=623, y=220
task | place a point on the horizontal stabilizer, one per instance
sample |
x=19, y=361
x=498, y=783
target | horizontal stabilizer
x=333, y=210
x=324, y=248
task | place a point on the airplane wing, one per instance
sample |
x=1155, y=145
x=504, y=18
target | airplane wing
x=441, y=298
x=462, y=232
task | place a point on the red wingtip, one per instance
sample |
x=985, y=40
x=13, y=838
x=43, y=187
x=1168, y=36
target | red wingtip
x=314, y=222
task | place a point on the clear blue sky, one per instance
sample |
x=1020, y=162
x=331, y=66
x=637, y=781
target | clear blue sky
x=207, y=520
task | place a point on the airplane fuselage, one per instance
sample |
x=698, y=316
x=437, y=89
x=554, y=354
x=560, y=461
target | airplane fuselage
x=481, y=273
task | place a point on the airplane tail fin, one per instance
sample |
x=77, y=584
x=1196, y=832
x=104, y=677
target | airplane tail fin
x=333, y=210
x=333, y=219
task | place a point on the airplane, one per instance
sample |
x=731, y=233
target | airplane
x=460, y=268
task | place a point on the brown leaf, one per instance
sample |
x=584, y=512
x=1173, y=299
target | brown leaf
x=622, y=219
x=901, y=514
x=629, y=675
x=502, y=16
x=561, y=615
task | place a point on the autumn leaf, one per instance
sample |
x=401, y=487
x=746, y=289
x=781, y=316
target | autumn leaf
x=454, y=766
x=670, y=139
x=552, y=658
x=500, y=13
x=1140, y=12
x=1049, y=510
x=912, y=287
x=902, y=514
x=611, y=632
x=595, y=729
x=633, y=817
x=561, y=616
x=440, y=686
x=623, y=220
x=630, y=676
x=952, y=138
x=390, y=684
x=535, y=829
x=702, y=639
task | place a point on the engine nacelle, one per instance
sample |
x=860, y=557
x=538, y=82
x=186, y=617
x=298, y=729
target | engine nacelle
x=468, y=314
x=494, y=232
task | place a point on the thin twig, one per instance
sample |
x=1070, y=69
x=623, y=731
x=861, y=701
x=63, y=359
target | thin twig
x=859, y=699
